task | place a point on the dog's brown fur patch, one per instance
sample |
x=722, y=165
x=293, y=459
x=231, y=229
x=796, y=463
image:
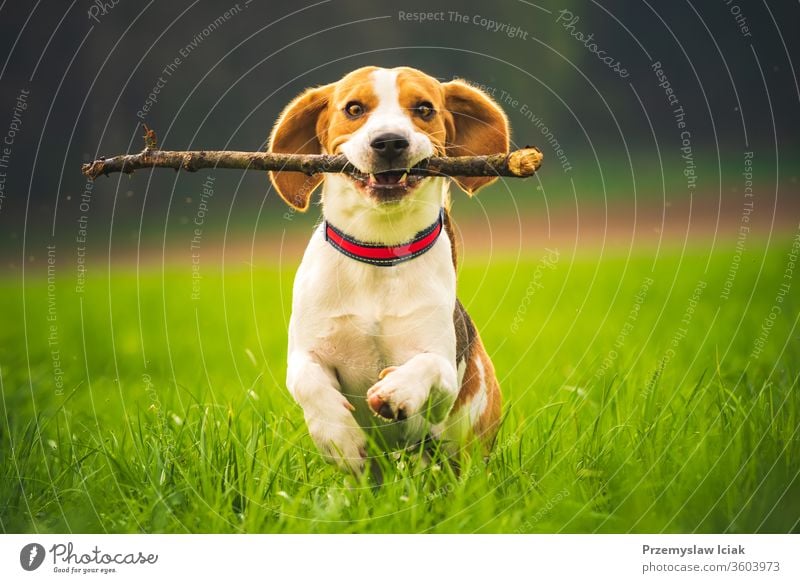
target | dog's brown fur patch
x=470, y=349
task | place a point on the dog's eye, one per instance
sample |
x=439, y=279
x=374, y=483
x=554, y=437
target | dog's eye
x=354, y=109
x=425, y=110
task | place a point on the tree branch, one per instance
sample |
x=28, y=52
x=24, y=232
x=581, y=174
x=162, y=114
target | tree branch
x=519, y=163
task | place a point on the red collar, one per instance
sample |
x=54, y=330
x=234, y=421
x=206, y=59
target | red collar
x=384, y=255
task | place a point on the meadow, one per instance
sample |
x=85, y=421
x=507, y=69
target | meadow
x=646, y=390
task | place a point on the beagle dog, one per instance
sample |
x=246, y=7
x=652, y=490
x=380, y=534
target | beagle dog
x=379, y=345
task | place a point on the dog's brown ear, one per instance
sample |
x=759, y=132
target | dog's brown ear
x=476, y=126
x=297, y=131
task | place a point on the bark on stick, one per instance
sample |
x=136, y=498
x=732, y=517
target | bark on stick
x=519, y=163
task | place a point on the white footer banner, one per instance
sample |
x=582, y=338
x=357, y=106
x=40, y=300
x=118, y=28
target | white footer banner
x=400, y=558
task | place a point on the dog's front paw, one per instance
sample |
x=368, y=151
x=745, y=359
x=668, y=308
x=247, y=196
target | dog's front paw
x=399, y=394
x=340, y=440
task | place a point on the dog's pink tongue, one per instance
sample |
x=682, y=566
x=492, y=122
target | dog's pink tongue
x=387, y=178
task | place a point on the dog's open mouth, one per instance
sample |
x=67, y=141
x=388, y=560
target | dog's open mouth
x=391, y=182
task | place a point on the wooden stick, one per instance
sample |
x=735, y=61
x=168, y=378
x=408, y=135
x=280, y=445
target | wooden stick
x=518, y=164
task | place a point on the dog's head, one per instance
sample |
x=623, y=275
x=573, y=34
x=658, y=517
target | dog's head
x=385, y=121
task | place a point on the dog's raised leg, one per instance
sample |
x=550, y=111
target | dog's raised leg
x=425, y=386
x=328, y=413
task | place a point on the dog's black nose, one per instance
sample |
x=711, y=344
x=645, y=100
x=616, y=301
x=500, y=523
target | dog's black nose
x=389, y=146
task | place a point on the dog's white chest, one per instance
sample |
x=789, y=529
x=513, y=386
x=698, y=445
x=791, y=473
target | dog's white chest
x=358, y=319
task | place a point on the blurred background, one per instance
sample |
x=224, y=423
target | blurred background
x=584, y=81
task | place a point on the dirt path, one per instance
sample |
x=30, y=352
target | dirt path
x=582, y=227
x=702, y=221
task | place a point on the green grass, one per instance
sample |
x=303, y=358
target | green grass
x=621, y=414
